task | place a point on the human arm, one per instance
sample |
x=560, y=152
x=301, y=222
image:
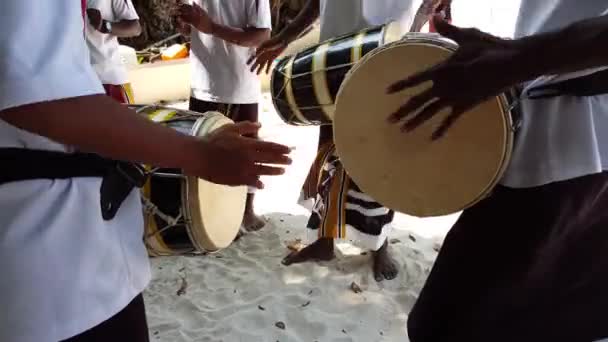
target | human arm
x=127, y=24
x=248, y=36
x=197, y=17
x=268, y=51
x=307, y=16
x=428, y=9
x=96, y=123
x=490, y=65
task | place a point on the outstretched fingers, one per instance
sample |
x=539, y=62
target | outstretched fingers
x=447, y=123
x=412, y=105
x=426, y=114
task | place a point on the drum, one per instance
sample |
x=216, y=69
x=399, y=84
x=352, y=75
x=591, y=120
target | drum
x=408, y=172
x=183, y=214
x=304, y=85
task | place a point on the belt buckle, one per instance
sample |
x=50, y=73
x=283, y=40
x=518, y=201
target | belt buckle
x=134, y=173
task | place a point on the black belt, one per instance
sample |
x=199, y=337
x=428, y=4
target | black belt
x=589, y=85
x=118, y=178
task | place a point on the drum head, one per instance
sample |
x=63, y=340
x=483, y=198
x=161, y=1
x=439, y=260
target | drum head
x=408, y=172
x=216, y=211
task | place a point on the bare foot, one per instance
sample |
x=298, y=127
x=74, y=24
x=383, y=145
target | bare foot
x=320, y=250
x=385, y=267
x=251, y=221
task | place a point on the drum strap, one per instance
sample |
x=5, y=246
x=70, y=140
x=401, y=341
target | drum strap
x=589, y=85
x=118, y=178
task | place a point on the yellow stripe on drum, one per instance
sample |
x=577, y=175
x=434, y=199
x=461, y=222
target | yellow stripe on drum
x=161, y=115
x=291, y=100
x=319, y=80
x=357, y=50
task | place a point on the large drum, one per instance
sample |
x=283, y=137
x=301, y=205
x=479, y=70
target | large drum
x=408, y=172
x=188, y=215
x=304, y=86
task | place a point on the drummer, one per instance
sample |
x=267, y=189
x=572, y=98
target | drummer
x=108, y=20
x=226, y=32
x=365, y=222
x=529, y=262
x=73, y=270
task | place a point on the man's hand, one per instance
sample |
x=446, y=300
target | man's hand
x=267, y=52
x=95, y=19
x=225, y=156
x=483, y=66
x=196, y=16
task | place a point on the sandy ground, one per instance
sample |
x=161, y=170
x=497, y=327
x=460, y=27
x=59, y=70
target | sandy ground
x=244, y=293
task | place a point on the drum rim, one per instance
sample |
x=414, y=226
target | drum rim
x=437, y=41
x=200, y=239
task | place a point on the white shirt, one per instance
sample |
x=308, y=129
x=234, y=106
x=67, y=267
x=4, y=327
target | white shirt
x=340, y=17
x=565, y=137
x=105, y=54
x=219, y=69
x=63, y=269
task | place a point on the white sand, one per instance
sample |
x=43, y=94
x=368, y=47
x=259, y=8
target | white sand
x=242, y=293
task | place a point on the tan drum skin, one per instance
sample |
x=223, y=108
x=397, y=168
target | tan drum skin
x=408, y=172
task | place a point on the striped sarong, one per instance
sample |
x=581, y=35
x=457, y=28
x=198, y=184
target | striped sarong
x=341, y=210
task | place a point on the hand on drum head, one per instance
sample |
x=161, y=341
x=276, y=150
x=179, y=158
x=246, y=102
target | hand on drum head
x=266, y=53
x=483, y=66
x=226, y=156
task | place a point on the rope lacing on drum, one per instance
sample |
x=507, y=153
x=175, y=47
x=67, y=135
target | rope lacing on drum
x=151, y=209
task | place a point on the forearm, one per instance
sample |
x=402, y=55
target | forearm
x=422, y=15
x=303, y=20
x=126, y=28
x=100, y=125
x=248, y=37
x=579, y=46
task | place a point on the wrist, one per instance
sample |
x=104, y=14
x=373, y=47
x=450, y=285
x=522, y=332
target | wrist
x=526, y=63
x=287, y=36
x=192, y=151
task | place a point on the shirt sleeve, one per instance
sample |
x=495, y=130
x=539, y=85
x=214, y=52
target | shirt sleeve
x=53, y=63
x=124, y=10
x=258, y=14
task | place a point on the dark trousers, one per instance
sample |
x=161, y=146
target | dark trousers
x=236, y=112
x=128, y=325
x=523, y=265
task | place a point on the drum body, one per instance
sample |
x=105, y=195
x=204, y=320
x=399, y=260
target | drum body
x=183, y=214
x=408, y=172
x=304, y=86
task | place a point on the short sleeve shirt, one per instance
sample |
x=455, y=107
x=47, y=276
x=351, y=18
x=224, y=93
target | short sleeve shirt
x=219, y=69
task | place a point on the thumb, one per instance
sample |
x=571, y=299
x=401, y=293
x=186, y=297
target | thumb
x=246, y=128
